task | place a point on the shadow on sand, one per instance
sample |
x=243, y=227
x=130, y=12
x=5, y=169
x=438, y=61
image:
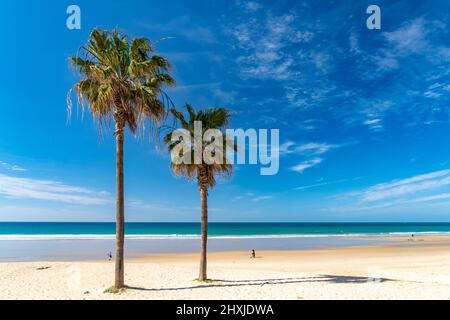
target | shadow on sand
x=263, y=282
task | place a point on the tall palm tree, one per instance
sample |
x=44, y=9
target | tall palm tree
x=205, y=172
x=122, y=80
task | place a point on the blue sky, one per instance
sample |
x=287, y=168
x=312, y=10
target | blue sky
x=363, y=114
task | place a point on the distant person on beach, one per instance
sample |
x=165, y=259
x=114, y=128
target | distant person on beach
x=253, y=254
x=110, y=256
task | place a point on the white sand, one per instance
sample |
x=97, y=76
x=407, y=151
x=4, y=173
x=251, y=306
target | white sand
x=421, y=272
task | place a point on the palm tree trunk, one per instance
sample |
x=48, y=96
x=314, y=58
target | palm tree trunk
x=204, y=241
x=120, y=211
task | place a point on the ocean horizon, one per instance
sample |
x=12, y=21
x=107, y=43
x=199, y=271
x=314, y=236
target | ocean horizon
x=162, y=230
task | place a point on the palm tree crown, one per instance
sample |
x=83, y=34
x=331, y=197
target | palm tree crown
x=214, y=118
x=121, y=77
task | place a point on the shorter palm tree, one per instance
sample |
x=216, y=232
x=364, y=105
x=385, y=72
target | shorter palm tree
x=205, y=172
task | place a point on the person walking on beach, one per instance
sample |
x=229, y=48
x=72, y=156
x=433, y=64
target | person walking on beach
x=253, y=254
x=110, y=256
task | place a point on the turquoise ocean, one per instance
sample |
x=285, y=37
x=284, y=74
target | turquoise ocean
x=11, y=230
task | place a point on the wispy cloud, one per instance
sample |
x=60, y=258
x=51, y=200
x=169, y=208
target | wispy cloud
x=263, y=46
x=27, y=188
x=438, y=199
x=253, y=197
x=437, y=90
x=313, y=152
x=442, y=196
x=250, y=5
x=373, y=112
x=424, y=182
x=420, y=191
x=411, y=37
x=416, y=46
x=261, y=198
x=317, y=62
x=307, y=164
x=11, y=167
x=312, y=148
x=423, y=189
x=184, y=27
x=326, y=183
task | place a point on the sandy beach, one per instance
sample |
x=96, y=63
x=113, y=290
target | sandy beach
x=402, y=269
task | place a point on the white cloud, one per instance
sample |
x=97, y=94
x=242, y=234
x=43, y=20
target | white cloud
x=302, y=36
x=292, y=48
x=11, y=167
x=425, y=201
x=321, y=184
x=307, y=164
x=418, y=178
x=410, y=37
x=27, y=188
x=287, y=148
x=312, y=148
x=372, y=122
x=437, y=90
x=354, y=43
x=252, y=6
x=321, y=60
x=442, y=196
x=422, y=190
x=263, y=46
x=405, y=187
x=316, y=148
x=373, y=112
x=261, y=198
x=311, y=151
x=386, y=61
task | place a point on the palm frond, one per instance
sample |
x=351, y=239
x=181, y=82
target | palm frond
x=122, y=77
x=213, y=118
